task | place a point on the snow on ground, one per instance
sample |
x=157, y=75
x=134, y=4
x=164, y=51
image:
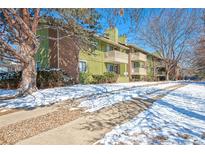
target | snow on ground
x=96, y=102
x=178, y=118
x=53, y=95
x=7, y=92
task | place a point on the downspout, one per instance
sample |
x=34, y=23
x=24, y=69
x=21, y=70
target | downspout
x=129, y=65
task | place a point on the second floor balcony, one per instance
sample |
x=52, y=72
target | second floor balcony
x=116, y=56
x=138, y=57
x=161, y=73
x=160, y=64
x=138, y=71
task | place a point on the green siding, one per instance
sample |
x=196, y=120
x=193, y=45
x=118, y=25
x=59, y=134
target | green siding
x=123, y=39
x=123, y=79
x=95, y=61
x=42, y=56
x=123, y=68
x=112, y=34
x=96, y=64
x=150, y=72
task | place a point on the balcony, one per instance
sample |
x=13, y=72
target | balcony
x=139, y=71
x=138, y=57
x=115, y=56
x=161, y=74
x=160, y=64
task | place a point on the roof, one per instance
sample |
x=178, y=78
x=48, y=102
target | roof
x=119, y=44
x=107, y=40
x=144, y=51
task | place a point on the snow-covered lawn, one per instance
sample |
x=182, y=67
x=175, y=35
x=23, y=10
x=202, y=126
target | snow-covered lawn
x=94, y=102
x=53, y=95
x=177, y=118
x=7, y=92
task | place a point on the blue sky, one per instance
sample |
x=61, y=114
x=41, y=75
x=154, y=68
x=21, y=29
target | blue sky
x=123, y=23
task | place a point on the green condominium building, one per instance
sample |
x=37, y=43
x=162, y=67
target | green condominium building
x=112, y=54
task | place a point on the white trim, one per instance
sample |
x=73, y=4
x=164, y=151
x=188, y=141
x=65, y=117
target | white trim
x=83, y=60
x=86, y=64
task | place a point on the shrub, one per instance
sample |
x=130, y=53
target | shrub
x=52, y=78
x=110, y=77
x=49, y=78
x=107, y=77
x=86, y=78
x=10, y=80
x=99, y=78
x=45, y=79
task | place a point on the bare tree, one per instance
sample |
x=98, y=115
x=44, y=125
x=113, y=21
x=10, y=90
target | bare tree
x=197, y=61
x=194, y=60
x=169, y=32
x=19, y=41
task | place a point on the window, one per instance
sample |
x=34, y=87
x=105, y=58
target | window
x=136, y=64
x=117, y=69
x=38, y=65
x=113, y=68
x=109, y=48
x=82, y=66
x=110, y=68
x=143, y=65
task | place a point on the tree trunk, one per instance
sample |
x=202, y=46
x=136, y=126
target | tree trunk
x=29, y=73
x=28, y=82
x=167, y=76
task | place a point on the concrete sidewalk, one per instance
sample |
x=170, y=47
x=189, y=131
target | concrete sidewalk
x=20, y=115
x=91, y=127
x=60, y=124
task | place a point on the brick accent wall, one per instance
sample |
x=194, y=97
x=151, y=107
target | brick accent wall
x=53, y=48
x=68, y=54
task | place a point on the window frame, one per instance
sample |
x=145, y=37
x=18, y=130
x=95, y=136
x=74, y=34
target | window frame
x=115, y=68
x=109, y=48
x=86, y=67
x=38, y=65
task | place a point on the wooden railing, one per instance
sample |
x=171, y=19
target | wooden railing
x=138, y=57
x=139, y=71
x=115, y=56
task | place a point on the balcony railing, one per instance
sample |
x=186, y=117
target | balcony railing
x=138, y=57
x=115, y=56
x=139, y=71
x=160, y=64
x=161, y=74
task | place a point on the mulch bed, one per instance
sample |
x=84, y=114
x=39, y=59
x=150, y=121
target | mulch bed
x=13, y=133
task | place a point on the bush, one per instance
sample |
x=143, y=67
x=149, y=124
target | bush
x=99, y=78
x=10, y=80
x=52, y=78
x=49, y=78
x=110, y=77
x=107, y=77
x=86, y=78
x=45, y=79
